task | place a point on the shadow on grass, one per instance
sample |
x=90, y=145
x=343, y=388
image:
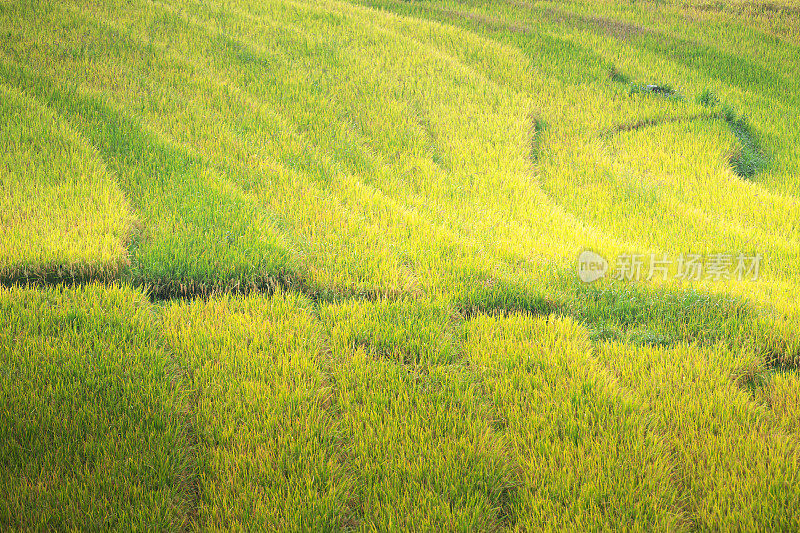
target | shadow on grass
x=639, y=314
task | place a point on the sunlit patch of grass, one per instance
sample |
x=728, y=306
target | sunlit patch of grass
x=267, y=453
x=62, y=215
x=92, y=414
x=585, y=456
x=420, y=444
x=733, y=468
x=199, y=233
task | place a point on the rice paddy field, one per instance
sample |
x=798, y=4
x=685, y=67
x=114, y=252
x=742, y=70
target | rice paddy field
x=399, y=265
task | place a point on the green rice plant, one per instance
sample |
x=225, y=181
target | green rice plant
x=780, y=392
x=735, y=469
x=268, y=454
x=707, y=98
x=199, y=233
x=411, y=332
x=62, y=215
x=584, y=450
x=92, y=414
x=388, y=160
x=419, y=444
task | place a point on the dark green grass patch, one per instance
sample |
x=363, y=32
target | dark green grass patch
x=537, y=128
x=91, y=414
x=749, y=158
x=489, y=295
x=634, y=312
x=687, y=315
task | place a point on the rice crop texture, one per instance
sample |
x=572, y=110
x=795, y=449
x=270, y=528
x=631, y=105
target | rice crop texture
x=306, y=265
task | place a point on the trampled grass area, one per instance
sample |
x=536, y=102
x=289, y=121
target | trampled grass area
x=310, y=265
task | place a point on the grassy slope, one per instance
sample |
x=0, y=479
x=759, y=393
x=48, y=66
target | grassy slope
x=374, y=192
x=62, y=213
x=622, y=184
x=382, y=416
x=411, y=174
x=266, y=452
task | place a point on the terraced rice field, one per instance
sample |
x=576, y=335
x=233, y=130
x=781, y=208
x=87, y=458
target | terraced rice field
x=318, y=265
